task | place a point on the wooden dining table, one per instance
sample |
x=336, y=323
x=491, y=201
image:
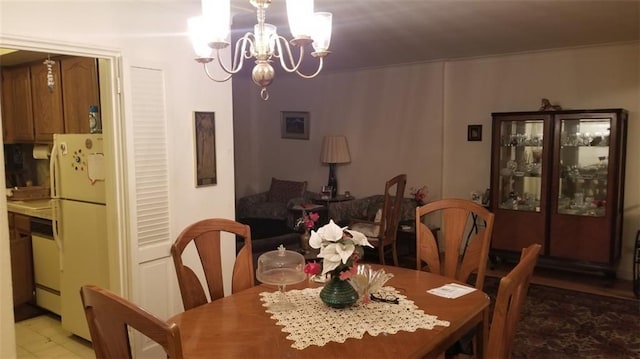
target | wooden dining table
x=237, y=326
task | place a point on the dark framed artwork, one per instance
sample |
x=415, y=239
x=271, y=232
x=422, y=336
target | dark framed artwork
x=295, y=125
x=205, y=134
x=474, y=133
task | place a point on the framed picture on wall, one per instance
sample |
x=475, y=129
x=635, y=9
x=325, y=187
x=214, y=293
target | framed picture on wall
x=295, y=125
x=205, y=134
x=474, y=133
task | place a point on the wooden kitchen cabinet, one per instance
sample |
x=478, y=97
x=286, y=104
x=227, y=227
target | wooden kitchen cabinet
x=80, y=90
x=47, y=102
x=17, y=109
x=21, y=259
x=33, y=112
x=557, y=179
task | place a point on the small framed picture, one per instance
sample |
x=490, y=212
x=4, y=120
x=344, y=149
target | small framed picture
x=295, y=125
x=474, y=133
x=205, y=133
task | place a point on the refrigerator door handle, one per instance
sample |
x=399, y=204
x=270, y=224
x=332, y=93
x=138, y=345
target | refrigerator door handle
x=55, y=226
x=53, y=165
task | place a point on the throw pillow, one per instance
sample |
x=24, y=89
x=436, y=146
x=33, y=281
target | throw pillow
x=282, y=191
x=378, y=217
x=370, y=229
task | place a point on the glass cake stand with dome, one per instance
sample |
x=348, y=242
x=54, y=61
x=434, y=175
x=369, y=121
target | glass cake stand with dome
x=281, y=268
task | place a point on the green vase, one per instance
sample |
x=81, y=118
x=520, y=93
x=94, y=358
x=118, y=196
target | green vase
x=338, y=293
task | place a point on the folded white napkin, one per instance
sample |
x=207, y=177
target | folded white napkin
x=451, y=290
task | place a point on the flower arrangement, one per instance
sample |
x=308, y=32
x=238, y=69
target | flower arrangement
x=419, y=194
x=307, y=221
x=340, y=250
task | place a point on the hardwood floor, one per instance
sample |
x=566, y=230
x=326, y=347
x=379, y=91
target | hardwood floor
x=588, y=283
x=582, y=282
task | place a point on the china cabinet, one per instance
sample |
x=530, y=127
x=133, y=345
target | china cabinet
x=557, y=179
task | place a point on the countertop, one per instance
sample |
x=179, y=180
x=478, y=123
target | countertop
x=40, y=208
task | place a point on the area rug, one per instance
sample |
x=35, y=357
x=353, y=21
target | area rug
x=560, y=323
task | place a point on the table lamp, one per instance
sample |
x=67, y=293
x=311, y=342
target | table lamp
x=335, y=149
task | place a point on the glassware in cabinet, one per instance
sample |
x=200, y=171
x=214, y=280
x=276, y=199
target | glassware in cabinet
x=520, y=164
x=584, y=151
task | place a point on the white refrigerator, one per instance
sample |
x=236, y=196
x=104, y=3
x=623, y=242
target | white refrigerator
x=77, y=174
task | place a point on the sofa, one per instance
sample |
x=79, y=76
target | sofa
x=269, y=213
x=366, y=208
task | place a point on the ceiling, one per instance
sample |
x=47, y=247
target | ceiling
x=373, y=33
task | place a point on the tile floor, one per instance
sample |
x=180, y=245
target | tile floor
x=43, y=337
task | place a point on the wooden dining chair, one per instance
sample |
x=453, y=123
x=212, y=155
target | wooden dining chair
x=463, y=252
x=206, y=236
x=110, y=316
x=512, y=293
x=382, y=231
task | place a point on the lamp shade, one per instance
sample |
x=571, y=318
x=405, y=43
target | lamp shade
x=335, y=149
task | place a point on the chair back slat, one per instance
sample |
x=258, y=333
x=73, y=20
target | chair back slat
x=427, y=249
x=206, y=236
x=109, y=317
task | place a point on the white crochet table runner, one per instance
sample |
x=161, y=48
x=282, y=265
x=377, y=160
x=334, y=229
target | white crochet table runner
x=314, y=323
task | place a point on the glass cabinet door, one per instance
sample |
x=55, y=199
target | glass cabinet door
x=520, y=164
x=584, y=151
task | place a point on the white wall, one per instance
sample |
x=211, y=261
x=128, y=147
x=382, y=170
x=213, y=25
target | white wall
x=391, y=118
x=146, y=34
x=414, y=119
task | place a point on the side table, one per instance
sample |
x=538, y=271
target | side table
x=338, y=198
x=328, y=203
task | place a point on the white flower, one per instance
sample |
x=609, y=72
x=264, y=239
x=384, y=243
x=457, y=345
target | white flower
x=359, y=238
x=335, y=247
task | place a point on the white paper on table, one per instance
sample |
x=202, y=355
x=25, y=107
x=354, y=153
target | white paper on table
x=451, y=290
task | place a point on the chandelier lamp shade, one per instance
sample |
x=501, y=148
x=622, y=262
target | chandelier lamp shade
x=335, y=149
x=211, y=31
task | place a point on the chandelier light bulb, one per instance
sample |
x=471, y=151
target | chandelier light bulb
x=300, y=15
x=197, y=34
x=321, y=35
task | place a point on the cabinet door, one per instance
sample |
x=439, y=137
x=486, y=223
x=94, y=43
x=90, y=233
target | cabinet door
x=21, y=262
x=47, y=102
x=80, y=90
x=17, y=112
x=519, y=180
x=584, y=198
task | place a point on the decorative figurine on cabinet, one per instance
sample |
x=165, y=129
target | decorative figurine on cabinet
x=547, y=106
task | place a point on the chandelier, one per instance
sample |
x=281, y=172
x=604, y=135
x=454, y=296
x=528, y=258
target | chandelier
x=211, y=31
